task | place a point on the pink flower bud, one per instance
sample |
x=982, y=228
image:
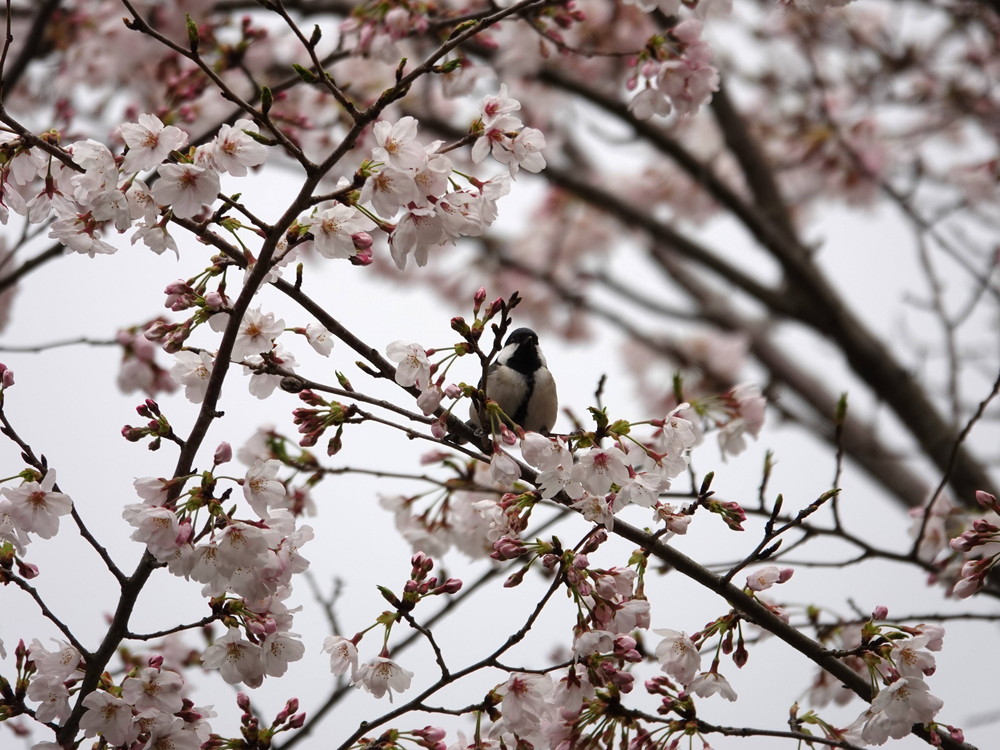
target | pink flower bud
x=362, y=258
x=215, y=300
x=419, y=561
x=224, y=453
x=132, y=434
x=987, y=500
x=451, y=586
x=362, y=240
x=881, y=612
x=243, y=701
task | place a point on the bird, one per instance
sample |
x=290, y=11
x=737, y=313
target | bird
x=521, y=384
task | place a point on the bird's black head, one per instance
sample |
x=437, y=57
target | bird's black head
x=521, y=335
x=521, y=351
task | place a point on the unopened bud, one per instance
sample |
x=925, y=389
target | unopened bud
x=223, y=454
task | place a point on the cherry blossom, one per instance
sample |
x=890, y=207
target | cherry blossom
x=186, y=188
x=149, y=142
x=36, y=507
x=912, y=656
x=192, y=370
x=261, y=489
x=10, y=530
x=81, y=234
x=414, y=369
x=237, y=659
x=109, y=717
x=603, y=467
x=765, y=578
x=382, y=675
x=707, y=684
x=397, y=144
x=158, y=528
x=526, y=702
x=154, y=689
x=233, y=150
x=257, y=333
x=52, y=697
x=333, y=230
x=278, y=649
x=895, y=710
x=678, y=656
x=343, y=655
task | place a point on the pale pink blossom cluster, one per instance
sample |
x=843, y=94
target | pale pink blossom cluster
x=680, y=658
x=147, y=707
x=605, y=479
x=415, y=182
x=91, y=191
x=253, y=561
x=980, y=547
x=680, y=82
x=907, y=699
x=503, y=136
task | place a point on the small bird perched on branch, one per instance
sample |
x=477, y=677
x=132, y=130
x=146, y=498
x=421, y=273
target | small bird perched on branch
x=521, y=384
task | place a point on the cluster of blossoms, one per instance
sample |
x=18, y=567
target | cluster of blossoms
x=84, y=188
x=963, y=546
x=255, y=347
x=246, y=566
x=412, y=185
x=415, y=179
x=148, y=707
x=899, y=658
x=905, y=659
x=679, y=77
x=979, y=546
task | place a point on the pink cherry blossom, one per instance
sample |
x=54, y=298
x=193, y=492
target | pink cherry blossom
x=343, y=655
x=414, y=369
x=186, y=188
x=36, y=506
x=192, y=370
x=237, y=659
x=526, y=702
x=233, y=150
x=333, y=229
x=149, y=142
x=603, y=467
x=108, y=716
x=382, y=675
x=678, y=656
